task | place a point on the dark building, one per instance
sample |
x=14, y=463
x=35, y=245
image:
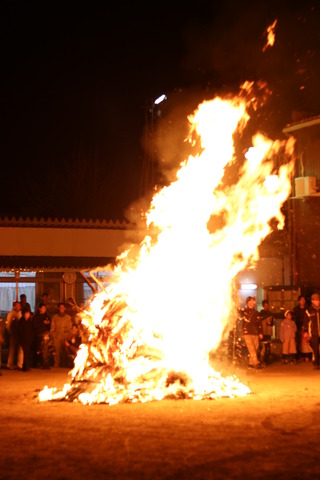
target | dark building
x=304, y=206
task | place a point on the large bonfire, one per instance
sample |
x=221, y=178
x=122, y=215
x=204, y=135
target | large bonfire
x=151, y=331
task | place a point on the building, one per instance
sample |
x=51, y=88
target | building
x=57, y=257
x=289, y=263
x=304, y=205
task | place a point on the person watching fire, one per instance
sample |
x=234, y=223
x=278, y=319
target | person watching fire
x=267, y=321
x=61, y=325
x=312, y=322
x=15, y=349
x=252, y=331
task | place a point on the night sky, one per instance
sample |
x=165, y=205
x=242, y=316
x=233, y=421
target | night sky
x=78, y=81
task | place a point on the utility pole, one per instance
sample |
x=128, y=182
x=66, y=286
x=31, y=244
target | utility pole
x=152, y=112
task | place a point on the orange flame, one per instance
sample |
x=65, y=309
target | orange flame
x=270, y=36
x=150, y=333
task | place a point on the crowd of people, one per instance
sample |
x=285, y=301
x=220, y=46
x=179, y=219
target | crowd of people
x=45, y=340
x=299, y=332
x=40, y=339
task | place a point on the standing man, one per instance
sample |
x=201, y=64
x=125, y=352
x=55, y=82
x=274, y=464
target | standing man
x=312, y=321
x=41, y=327
x=13, y=318
x=252, y=331
x=299, y=313
x=44, y=301
x=61, y=326
x=23, y=302
x=267, y=321
x=25, y=336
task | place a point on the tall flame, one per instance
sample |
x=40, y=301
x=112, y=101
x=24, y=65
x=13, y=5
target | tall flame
x=150, y=333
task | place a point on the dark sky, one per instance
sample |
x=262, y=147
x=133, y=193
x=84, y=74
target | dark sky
x=77, y=79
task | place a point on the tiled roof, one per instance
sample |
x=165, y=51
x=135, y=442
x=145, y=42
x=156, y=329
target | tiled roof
x=36, y=263
x=305, y=122
x=63, y=223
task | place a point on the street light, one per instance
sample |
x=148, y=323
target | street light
x=160, y=99
x=153, y=112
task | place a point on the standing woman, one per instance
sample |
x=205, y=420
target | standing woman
x=288, y=330
x=25, y=336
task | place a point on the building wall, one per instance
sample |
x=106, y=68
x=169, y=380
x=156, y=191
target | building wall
x=304, y=212
x=62, y=241
x=306, y=241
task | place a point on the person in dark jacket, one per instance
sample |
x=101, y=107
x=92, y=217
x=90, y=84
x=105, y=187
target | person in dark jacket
x=41, y=325
x=252, y=331
x=312, y=324
x=299, y=313
x=25, y=336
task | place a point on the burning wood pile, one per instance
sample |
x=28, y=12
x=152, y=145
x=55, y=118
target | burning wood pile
x=113, y=366
x=151, y=331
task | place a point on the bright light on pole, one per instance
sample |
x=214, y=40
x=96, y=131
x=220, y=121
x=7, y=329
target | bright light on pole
x=160, y=99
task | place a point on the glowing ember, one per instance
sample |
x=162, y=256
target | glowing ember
x=150, y=333
x=270, y=36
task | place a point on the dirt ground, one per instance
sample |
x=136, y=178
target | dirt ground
x=273, y=432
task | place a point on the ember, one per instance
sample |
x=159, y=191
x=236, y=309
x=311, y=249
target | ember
x=271, y=38
x=151, y=332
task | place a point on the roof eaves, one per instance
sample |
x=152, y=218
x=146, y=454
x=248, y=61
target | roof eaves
x=305, y=123
x=47, y=263
x=63, y=223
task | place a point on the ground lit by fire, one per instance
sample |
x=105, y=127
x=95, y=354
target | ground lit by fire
x=151, y=332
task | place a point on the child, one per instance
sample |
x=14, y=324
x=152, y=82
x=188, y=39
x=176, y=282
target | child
x=304, y=345
x=288, y=331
